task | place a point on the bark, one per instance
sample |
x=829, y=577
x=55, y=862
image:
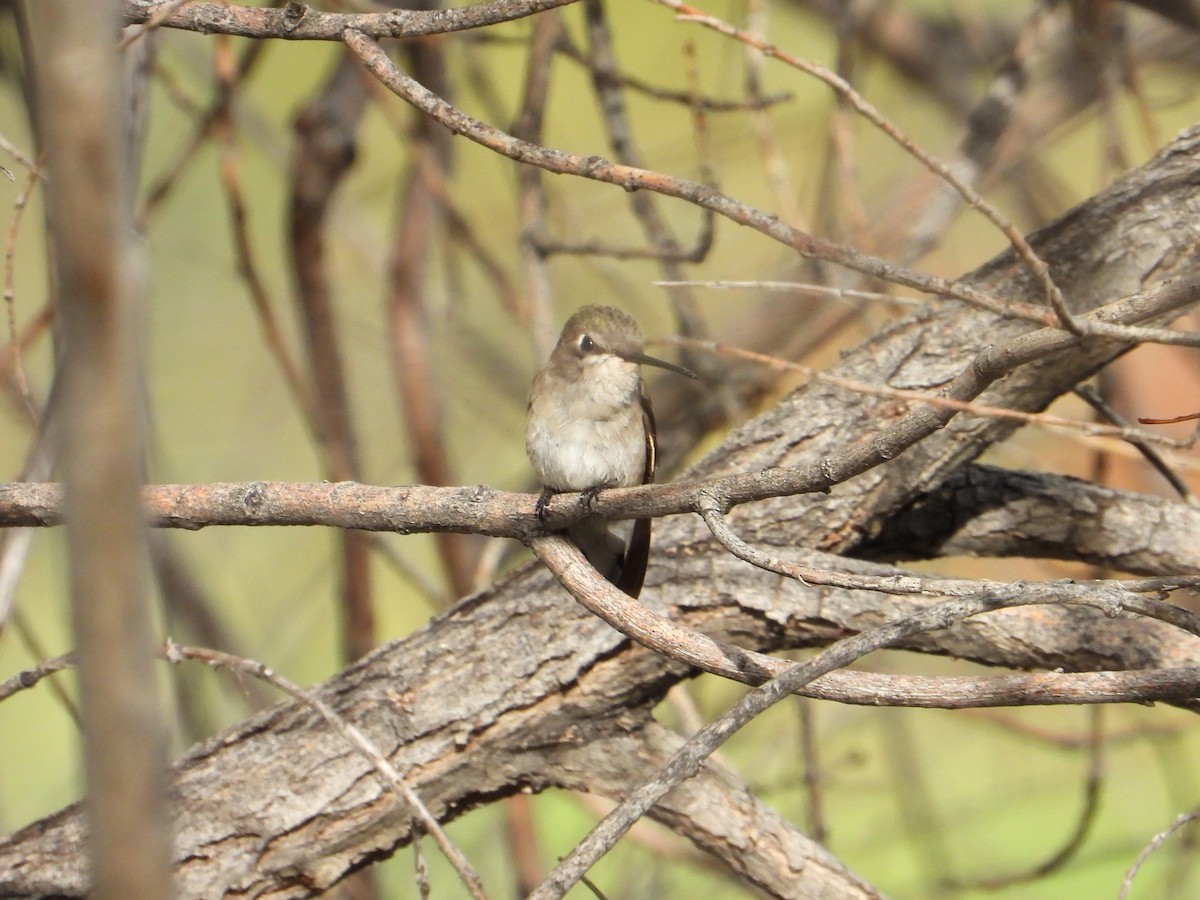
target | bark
x=987, y=511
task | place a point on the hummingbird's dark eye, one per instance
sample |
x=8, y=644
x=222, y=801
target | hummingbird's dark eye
x=586, y=344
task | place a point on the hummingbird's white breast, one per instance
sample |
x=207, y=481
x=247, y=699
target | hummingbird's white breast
x=587, y=431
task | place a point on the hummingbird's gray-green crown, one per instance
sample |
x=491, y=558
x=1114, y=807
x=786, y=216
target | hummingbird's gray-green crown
x=596, y=329
x=601, y=318
x=609, y=328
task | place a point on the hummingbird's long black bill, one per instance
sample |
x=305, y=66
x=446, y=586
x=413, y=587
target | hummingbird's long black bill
x=645, y=360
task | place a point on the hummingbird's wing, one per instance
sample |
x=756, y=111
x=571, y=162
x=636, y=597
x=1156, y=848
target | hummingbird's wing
x=651, y=440
x=637, y=555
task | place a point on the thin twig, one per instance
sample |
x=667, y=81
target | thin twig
x=10, y=305
x=1173, y=420
x=420, y=869
x=1092, y=398
x=1124, y=431
x=654, y=226
x=408, y=317
x=798, y=287
x=1093, y=782
x=206, y=124
x=324, y=132
x=301, y=22
x=806, y=715
x=571, y=51
x=774, y=162
x=1155, y=842
x=538, y=314
x=161, y=13
x=28, y=678
x=585, y=585
x=717, y=657
x=928, y=586
x=632, y=179
x=971, y=197
x=840, y=179
x=20, y=156
x=223, y=130
x=986, y=122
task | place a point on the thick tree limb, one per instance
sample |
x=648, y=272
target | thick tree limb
x=987, y=511
x=717, y=812
x=281, y=801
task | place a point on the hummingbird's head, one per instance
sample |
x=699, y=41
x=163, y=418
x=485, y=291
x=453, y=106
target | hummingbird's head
x=596, y=333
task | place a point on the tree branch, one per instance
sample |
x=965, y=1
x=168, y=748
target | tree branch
x=298, y=22
x=987, y=511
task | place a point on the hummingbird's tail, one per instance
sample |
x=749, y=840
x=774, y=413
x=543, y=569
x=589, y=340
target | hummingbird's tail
x=637, y=555
x=622, y=561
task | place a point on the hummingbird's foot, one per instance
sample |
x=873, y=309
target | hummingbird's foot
x=543, y=498
x=587, y=497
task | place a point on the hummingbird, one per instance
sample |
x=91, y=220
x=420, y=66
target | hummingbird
x=589, y=426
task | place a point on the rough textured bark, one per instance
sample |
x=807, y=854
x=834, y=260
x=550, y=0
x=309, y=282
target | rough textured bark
x=517, y=689
x=987, y=511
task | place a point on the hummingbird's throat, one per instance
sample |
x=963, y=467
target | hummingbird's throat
x=608, y=385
